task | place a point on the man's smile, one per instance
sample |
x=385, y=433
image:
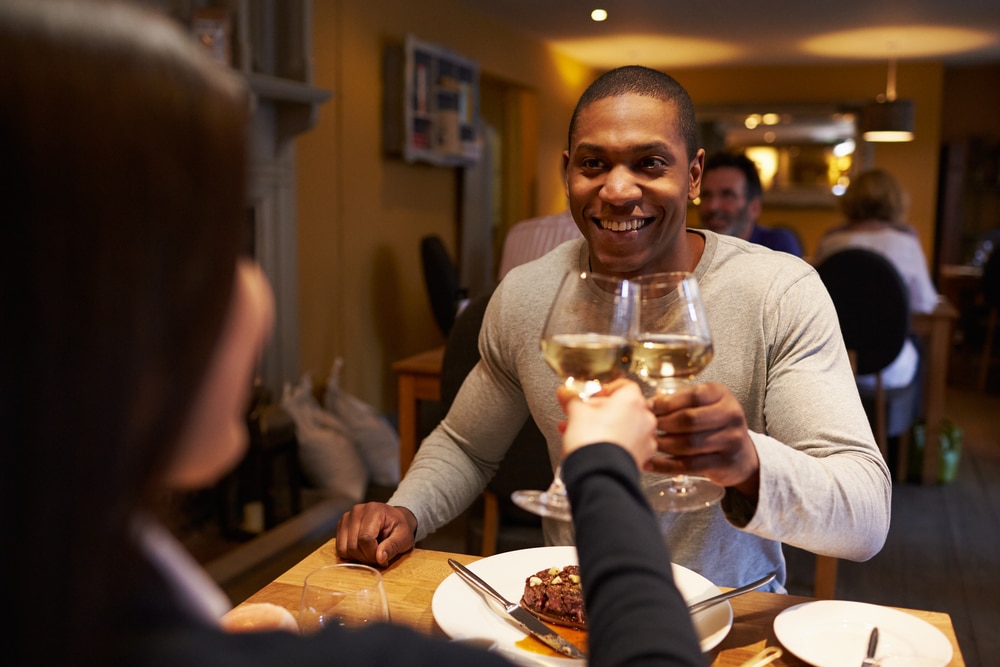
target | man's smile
x=623, y=225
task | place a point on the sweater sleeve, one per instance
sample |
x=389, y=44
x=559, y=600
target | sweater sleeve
x=636, y=615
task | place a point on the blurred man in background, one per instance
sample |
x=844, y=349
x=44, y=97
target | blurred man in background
x=731, y=201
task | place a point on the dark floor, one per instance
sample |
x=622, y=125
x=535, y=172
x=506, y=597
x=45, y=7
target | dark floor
x=942, y=553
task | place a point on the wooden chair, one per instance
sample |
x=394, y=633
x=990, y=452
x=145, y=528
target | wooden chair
x=873, y=308
x=501, y=525
x=991, y=299
x=825, y=580
x=441, y=280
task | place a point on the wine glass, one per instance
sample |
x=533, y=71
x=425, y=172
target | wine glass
x=345, y=594
x=672, y=346
x=587, y=342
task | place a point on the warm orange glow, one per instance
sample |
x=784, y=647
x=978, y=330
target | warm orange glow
x=649, y=50
x=766, y=159
x=903, y=41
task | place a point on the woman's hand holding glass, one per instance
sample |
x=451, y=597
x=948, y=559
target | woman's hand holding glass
x=619, y=414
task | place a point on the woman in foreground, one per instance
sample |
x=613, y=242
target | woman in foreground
x=133, y=328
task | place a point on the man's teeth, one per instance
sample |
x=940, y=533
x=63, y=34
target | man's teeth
x=623, y=225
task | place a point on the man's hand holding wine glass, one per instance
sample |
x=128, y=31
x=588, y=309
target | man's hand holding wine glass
x=702, y=429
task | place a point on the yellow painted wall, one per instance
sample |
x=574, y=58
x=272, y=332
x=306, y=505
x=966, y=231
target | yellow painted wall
x=361, y=215
x=915, y=163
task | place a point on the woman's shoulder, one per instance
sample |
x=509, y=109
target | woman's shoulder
x=904, y=228
x=842, y=228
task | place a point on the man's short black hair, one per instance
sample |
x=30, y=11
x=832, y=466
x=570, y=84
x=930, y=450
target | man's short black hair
x=639, y=80
x=741, y=162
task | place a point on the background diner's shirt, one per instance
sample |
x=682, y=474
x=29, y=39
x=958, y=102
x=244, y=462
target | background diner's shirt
x=532, y=238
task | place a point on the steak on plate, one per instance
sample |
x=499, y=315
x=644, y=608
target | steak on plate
x=556, y=595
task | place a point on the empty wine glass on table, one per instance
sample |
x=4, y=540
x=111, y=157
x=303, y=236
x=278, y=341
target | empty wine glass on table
x=587, y=342
x=673, y=344
x=345, y=594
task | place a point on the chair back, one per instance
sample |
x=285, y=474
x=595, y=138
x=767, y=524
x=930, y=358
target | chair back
x=872, y=305
x=441, y=280
x=526, y=464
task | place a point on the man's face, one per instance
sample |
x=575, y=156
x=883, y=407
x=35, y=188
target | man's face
x=628, y=181
x=724, y=205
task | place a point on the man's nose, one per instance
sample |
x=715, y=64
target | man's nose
x=620, y=186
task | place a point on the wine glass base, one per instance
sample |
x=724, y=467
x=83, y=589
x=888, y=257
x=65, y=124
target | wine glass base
x=543, y=503
x=683, y=494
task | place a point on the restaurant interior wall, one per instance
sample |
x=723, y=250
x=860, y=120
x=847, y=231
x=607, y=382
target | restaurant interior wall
x=361, y=214
x=915, y=163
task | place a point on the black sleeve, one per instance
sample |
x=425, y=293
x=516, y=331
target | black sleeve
x=635, y=614
x=378, y=646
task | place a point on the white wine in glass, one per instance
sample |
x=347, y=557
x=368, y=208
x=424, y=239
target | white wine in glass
x=672, y=346
x=587, y=340
x=586, y=361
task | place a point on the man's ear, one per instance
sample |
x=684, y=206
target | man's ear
x=565, y=171
x=695, y=171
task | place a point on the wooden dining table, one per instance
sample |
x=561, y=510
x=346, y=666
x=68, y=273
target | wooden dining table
x=410, y=582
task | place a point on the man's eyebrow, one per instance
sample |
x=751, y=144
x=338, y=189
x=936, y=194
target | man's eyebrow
x=654, y=146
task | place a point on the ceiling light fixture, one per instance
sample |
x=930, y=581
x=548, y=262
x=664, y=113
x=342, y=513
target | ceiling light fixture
x=598, y=15
x=886, y=118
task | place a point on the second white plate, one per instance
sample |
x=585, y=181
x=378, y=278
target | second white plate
x=834, y=633
x=462, y=613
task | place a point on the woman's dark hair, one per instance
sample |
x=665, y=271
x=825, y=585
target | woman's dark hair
x=646, y=82
x=123, y=184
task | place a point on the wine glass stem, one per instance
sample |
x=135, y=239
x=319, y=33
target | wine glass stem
x=681, y=484
x=557, y=487
x=665, y=387
x=668, y=386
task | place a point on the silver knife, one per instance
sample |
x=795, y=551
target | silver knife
x=524, y=618
x=869, y=660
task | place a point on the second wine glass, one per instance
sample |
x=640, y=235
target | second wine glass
x=587, y=342
x=672, y=346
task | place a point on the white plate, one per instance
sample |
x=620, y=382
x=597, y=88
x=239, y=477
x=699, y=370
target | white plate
x=834, y=633
x=462, y=612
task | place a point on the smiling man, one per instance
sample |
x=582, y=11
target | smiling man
x=775, y=418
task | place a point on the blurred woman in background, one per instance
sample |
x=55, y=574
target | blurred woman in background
x=875, y=207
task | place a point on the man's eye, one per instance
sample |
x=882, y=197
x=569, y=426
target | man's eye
x=653, y=163
x=591, y=163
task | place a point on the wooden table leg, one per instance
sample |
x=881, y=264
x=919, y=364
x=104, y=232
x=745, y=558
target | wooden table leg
x=408, y=421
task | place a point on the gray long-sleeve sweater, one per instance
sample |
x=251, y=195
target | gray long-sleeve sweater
x=824, y=486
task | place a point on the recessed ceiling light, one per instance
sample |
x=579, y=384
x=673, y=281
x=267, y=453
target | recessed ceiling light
x=599, y=15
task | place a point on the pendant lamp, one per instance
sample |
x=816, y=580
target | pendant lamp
x=886, y=118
